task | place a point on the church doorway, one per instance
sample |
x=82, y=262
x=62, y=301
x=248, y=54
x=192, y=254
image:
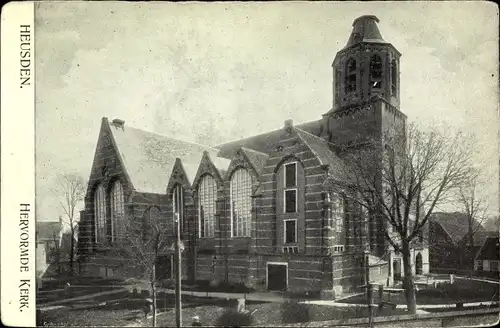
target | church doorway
x=396, y=266
x=418, y=264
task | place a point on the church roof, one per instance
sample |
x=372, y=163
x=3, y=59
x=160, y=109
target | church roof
x=322, y=150
x=264, y=142
x=256, y=158
x=365, y=29
x=149, y=158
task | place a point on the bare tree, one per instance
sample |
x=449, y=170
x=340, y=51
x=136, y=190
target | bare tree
x=143, y=241
x=475, y=207
x=70, y=190
x=55, y=253
x=400, y=180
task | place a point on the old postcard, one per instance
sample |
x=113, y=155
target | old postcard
x=250, y=164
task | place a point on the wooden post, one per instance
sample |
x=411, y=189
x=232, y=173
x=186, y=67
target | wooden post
x=178, y=312
x=368, y=289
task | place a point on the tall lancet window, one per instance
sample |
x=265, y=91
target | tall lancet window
x=178, y=208
x=207, y=195
x=337, y=82
x=376, y=72
x=100, y=214
x=117, y=211
x=394, y=77
x=350, y=77
x=338, y=212
x=241, y=203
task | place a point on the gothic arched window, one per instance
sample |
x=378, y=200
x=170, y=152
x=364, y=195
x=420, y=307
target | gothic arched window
x=178, y=207
x=350, y=77
x=338, y=211
x=241, y=203
x=100, y=214
x=207, y=195
x=376, y=72
x=117, y=210
x=394, y=77
x=337, y=82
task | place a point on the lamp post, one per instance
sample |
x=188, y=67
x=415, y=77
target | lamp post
x=178, y=312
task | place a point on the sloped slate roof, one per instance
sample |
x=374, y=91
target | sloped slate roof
x=322, y=150
x=490, y=250
x=264, y=142
x=365, y=29
x=45, y=230
x=256, y=158
x=149, y=158
x=457, y=226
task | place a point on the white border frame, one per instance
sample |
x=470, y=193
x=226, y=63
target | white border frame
x=267, y=272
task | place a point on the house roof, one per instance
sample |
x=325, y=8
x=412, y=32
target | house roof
x=47, y=230
x=263, y=143
x=457, y=226
x=149, y=158
x=489, y=250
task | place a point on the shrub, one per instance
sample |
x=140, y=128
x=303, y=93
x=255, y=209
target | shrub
x=233, y=318
x=293, y=312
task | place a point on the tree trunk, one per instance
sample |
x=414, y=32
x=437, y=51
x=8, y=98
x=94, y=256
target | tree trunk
x=408, y=283
x=71, y=251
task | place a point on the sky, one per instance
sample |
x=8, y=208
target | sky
x=216, y=72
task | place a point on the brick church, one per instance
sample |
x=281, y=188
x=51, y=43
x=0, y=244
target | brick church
x=261, y=210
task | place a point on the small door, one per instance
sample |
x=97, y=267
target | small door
x=418, y=264
x=396, y=265
x=277, y=277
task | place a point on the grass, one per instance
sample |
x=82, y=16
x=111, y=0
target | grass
x=74, y=292
x=60, y=282
x=465, y=291
x=92, y=317
x=272, y=313
x=124, y=310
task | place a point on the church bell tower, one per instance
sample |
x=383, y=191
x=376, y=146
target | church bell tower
x=367, y=66
x=366, y=102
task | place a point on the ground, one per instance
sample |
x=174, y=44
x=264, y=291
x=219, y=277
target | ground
x=125, y=308
x=466, y=291
x=120, y=311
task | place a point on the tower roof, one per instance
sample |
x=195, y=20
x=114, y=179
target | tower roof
x=365, y=29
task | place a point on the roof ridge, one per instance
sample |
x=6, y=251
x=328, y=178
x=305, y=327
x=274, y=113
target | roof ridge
x=315, y=136
x=263, y=133
x=168, y=137
x=253, y=150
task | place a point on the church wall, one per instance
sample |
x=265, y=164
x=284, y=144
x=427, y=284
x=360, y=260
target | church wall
x=106, y=169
